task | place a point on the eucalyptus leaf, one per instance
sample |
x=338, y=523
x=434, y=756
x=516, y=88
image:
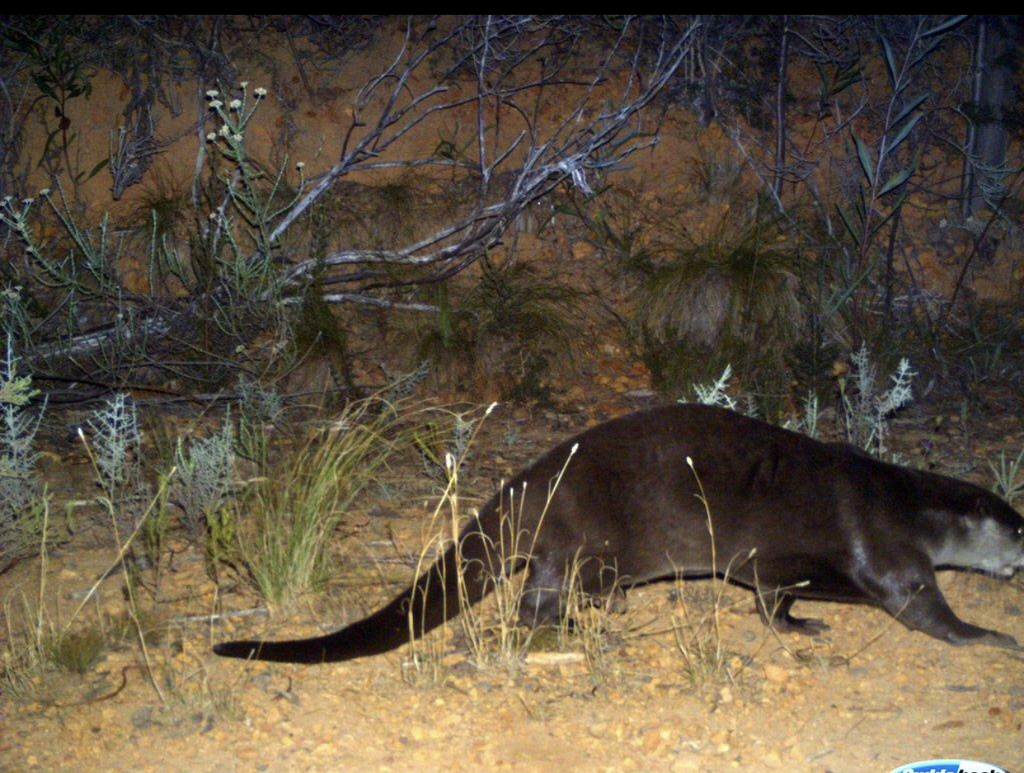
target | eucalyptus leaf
x=951, y=22
x=902, y=134
x=890, y=61
x=925, y=52
x=909, y=108
x=897, y=179
x=864, y=156
x=98, y=168
x=901, y=197
x=849, y=226
x=46, y=146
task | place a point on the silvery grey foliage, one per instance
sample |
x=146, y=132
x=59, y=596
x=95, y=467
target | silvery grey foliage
x=116, y=439
x=404, y=384
x=20, y=487
x=808, y=422
x=715, y=394
x=117, y=451
x=258, y=402
x=866, y=411
x=438, y=462
x=259, y=409
x=203, y=477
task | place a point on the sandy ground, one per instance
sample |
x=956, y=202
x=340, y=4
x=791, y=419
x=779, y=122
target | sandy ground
x=867, y=696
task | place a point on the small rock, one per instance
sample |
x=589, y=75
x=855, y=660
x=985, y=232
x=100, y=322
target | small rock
x=775, y=674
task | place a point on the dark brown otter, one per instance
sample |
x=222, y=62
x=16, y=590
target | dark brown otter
x=792, y=517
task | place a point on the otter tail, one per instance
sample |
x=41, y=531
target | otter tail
x=432, y=599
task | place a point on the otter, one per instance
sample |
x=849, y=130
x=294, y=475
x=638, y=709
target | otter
x=788, y=516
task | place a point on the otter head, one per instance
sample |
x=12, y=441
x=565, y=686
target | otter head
x=989, y=537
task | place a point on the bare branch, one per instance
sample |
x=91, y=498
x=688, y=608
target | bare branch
x=537, y=114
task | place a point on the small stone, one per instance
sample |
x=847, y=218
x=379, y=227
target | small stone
x=775, y=674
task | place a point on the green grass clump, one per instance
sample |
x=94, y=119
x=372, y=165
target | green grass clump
x=286, y=519
x=76, y=652
x=729, y=297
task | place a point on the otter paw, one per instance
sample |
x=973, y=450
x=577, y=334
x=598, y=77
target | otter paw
x=808, y=626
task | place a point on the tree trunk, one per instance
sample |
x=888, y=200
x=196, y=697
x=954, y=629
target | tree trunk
x=780, y=108
x=993, y=92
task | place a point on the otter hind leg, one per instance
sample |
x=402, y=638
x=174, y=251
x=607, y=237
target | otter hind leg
x=773, y=608
x=542, y=602
x=550, y=594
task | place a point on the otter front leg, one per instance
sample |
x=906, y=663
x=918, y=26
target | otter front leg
x=925, y=609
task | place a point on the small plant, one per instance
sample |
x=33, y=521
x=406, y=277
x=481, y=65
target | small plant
x=117, y=443
x=114, y=460
x=510, y=437
x=77, y=651
x=61, y=74
x=509, y=329
x=438, y=440
x=16, y=312
x=585, y=621
x=426, y=662
x=1009, y=480
x=497, y=638
x=41, y=646
x=716, y=175
x=116, y=453
x=808, y=422
x=715, y=394
x=865, y=411
x=258, y=199
x=700, y=642
x=698, y=637
x=20, y=488
x=403, y=385
x=43, y=642
x=620, y=232
x=204, y=478
x=493, y=632
x=260, y=409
